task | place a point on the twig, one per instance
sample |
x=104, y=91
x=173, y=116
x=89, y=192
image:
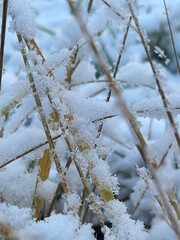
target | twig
x=139, y=201
x=165, y=155
x=122, y=47
x=3, y=34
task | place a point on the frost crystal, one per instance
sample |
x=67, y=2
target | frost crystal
x=64, y=227
x=123, y=227
x=72, y=203
x=23, y=18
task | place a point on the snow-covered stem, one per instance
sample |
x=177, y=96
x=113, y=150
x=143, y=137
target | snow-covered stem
x=139, y=201
x=160, y=89
x=72, y=148
x=42, y=114
x=162, y=196
x=142, y=146
x=162, y=56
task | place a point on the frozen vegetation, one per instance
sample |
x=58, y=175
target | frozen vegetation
x=89, y=120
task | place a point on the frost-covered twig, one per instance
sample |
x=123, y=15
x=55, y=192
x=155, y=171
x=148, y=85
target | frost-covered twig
x=72, y=148
x=160, y=89
x=158, y=51
x=42, y=114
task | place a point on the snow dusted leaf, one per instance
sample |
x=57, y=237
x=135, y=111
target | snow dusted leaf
x=88, y=108
x=161, y=54
x=105, y=182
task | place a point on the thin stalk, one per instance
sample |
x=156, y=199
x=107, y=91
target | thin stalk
x=3, y=34
x=160, y=89
x=164, y=156
x=139, y=201
x=29, y=151
x=90, y=5
x=122, y=47
x=124, y=18
x=172, y=37
x=42, y=114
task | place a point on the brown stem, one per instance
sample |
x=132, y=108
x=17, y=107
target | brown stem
x=3, y=34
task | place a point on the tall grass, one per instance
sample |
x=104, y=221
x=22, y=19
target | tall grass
x=60, y=123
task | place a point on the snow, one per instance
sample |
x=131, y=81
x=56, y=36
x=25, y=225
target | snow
x=65, y=227
x=23, y=18
x=133, y=230
x=46, y=190
x=95, y=135
x=19, y=143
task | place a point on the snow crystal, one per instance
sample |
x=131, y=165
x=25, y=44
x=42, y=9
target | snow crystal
x=153, y=106
x=46, y=190
x=57, y=59
x=19, y=142
x=101, y=171
x=21, y=190
x=23, y=18
x=123, y=227
x=72, y=203
x=64, y=227
x=162, y=231
x=11, y=215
